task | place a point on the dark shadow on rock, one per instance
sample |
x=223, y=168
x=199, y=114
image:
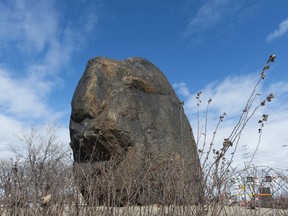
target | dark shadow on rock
x=131, y=140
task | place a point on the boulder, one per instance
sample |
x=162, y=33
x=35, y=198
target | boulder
x=131, y=140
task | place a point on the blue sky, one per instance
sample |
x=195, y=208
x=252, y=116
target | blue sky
x=216, y=46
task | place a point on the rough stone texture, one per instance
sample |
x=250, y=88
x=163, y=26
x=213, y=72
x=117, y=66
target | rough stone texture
x=126, y=116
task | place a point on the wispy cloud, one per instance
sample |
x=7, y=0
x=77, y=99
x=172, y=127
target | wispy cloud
x=37, y=30
x=7, y=138
x=282, y=29
x=210, y=14
x=227, y=94
x=28, y=25
x=19, y=99
x=37, y=44
x=182, y=89
x=230, y=96
x=217, y=14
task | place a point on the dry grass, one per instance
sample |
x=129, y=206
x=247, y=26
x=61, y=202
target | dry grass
x=44, y=169
x=152, y=210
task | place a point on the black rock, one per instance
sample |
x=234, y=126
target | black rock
x=131, y=140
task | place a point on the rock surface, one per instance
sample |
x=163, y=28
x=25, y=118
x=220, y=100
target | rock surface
x=128, y=126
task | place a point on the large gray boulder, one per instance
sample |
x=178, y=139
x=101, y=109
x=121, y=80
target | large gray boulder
x=131, y=140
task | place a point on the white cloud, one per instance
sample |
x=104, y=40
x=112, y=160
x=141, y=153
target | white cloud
x=9, y=136
x=37, y=30
x=220, y=18
x=182, y=89
x=223, y=94
x=282, y=29
x=210, y=14
x=6, y=137
x=40, y=43
x=46, y=44
x=29, y=24
x=230, y=96
x=16, y=98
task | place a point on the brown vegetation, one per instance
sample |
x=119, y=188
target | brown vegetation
x=42, y=180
